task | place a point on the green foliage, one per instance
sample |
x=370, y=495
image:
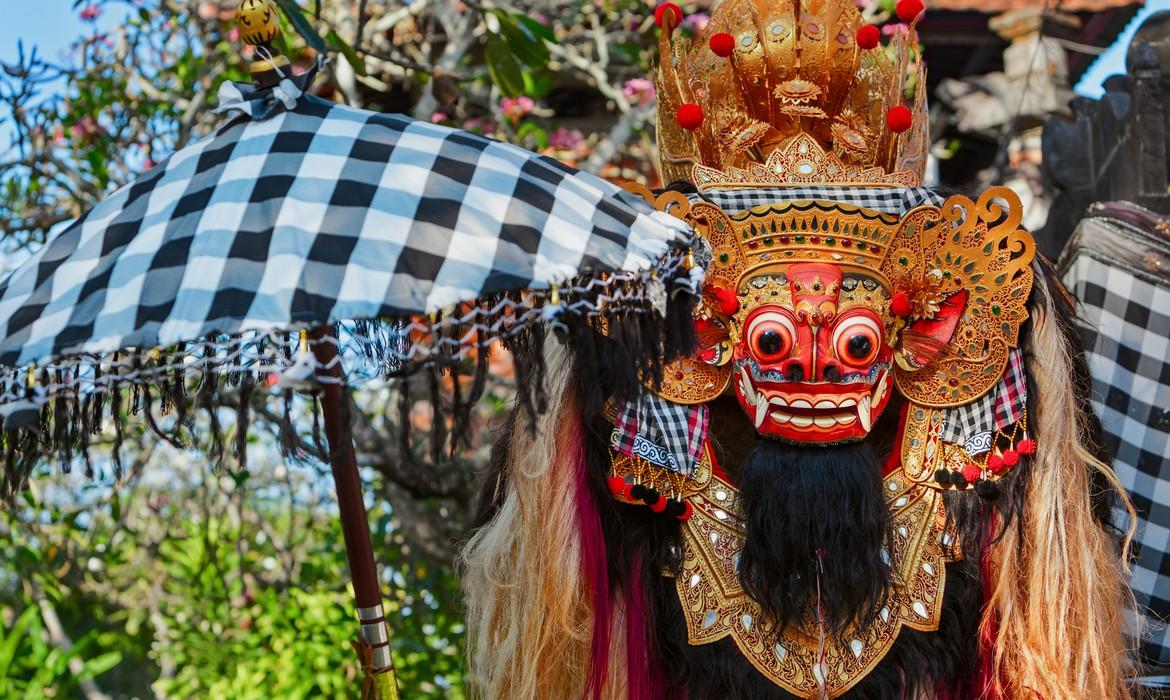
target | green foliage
x=196, y=599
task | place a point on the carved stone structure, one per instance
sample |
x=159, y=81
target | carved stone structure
x=1117, y=147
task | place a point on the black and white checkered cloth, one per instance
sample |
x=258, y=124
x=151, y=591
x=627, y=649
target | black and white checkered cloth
x=1119, y=272
x=888, y=200
x=973, y=425
x=312, y=214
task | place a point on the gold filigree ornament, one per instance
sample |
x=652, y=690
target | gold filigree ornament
x=795, y=70
x=804, y=162
x=716, y=606
x=976, y=259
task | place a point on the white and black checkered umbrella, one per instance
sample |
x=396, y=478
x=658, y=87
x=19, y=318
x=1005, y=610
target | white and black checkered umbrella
x=299, y=212
x=317, y=214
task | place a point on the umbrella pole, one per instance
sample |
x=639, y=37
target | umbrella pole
x=373, y=648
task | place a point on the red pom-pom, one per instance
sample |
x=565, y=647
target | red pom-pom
x=995, y=464
x=869, y=36
x=972, y=472
x=688, y=511
x=1026, y=446
x=909, y=10
x=689, y=116
x=726, y=299
x=722, y=44
x=900, y=304
x=668, y=16
x=1011, y=458
x=617, y=485
x=899, y=118
x=659, y=505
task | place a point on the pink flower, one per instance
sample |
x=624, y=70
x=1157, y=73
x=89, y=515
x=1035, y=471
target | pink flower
x=478, y=124
x=89, y=13
x=439, y=117
x=515, y=108
x=639, y=91
x=696, y=22
x=565, y=139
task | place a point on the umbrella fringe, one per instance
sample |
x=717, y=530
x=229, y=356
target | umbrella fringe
x=289, y=445
x=318, y=442
x=116, y=418
x=611, y=321
x=243, y=420
x=207, y=390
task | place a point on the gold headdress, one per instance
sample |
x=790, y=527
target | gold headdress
x=791, y=93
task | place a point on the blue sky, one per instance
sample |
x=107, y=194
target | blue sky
x=52, y=24
x=1113, y=60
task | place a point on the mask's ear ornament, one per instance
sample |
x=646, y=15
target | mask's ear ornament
x=966, y=272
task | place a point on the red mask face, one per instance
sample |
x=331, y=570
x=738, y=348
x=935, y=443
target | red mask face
x=814, y=366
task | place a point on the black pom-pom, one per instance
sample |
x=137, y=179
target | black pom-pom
x=675, y=508
x=959, y=480
x=639, y=492
x=943, y=477
x=986, y=489
x=651, y=497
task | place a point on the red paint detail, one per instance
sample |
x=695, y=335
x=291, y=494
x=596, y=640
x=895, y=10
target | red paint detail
x=722, y=44
x=689, y=116
x=869, y=36
x=942, y=327
x=899, y=118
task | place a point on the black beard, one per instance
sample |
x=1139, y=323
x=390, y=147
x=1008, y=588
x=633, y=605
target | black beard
x=801, y=500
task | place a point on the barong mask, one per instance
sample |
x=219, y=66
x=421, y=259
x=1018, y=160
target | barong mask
x=816, y=312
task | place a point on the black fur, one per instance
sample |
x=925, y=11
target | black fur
x=810, y=507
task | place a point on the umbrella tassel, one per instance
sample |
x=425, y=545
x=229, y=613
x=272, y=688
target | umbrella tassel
x=288, y=434
x=94, y=418
x=178, y=388
x=83, y=446
x=317, y=443
x=116, y=417
x=207, y=391
x=148, y=411
x=243, y=419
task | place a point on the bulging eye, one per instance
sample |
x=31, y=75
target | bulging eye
x=857, y=340
x=771, y=335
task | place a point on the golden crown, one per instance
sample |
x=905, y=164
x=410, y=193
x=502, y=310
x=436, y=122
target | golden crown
x=795, y=92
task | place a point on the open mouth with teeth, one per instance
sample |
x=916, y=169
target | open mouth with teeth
x=816, y=412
